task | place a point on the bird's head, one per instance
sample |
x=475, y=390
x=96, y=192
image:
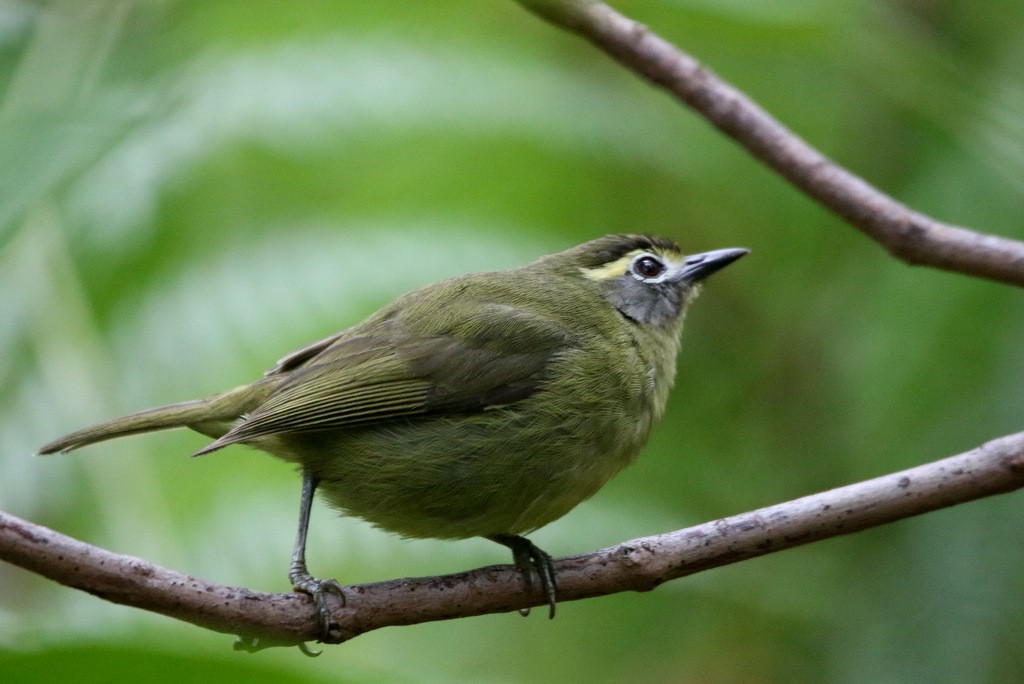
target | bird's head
x=647, y=279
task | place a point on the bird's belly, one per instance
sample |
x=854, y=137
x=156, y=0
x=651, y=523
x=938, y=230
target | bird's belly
x=500, y=472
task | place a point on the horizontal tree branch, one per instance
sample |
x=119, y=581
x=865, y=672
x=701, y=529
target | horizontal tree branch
x=638, y=565
x=909, y=235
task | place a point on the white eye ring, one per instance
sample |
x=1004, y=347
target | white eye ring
x=647, y=268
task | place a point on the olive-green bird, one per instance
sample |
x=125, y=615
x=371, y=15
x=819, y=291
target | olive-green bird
x=486, y=405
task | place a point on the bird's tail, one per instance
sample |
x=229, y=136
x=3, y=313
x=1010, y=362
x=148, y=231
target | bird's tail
x=212, y=416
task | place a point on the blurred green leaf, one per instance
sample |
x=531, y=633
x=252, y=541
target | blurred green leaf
x=190, y=189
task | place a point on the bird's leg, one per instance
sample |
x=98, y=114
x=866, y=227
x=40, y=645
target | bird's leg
x=528, y=557
x=298, y=574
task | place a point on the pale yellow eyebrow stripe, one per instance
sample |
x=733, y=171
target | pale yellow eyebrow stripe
x=613, y=269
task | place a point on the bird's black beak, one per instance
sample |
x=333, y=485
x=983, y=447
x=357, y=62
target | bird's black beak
x=699, y=266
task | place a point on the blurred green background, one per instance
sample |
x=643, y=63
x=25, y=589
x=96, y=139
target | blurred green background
x=191, y=189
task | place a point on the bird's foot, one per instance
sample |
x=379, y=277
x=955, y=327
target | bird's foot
x=528, y=557
x=318, y=589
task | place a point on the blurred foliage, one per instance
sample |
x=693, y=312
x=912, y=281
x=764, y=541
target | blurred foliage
x=191, y=188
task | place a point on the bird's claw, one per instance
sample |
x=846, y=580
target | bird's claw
x=251, y=644
x=538, y=559
x=528, y=557
x=318, y=589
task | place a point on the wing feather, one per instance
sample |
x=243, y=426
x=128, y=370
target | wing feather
x=474, y=358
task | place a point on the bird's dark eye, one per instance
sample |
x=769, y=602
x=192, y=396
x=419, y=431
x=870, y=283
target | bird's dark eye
x=648, y=267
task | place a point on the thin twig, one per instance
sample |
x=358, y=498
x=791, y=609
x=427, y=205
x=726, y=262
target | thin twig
x=909, y=235
x=638, y=565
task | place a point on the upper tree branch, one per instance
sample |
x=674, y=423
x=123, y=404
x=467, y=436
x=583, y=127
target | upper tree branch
x=640, y=564
x=907, y=234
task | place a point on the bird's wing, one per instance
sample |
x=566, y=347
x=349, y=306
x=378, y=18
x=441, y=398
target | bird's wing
x=301, y=356
x=467, y=359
